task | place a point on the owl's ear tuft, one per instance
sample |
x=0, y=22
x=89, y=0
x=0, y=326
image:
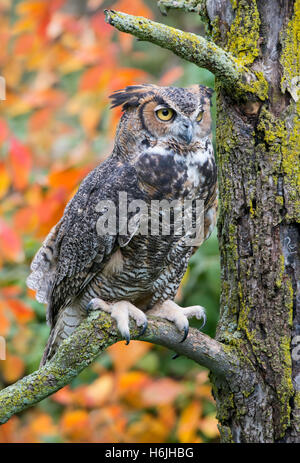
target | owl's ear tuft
x=130, y=97
x=206, y=91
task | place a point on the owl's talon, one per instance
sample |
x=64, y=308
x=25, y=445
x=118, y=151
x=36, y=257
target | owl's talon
x=186, y=332
x=204, y=321
x=145, y=325
x=178, y=315
x=89, y=307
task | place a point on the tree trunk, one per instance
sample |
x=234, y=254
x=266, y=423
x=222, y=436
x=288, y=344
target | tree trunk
x=259, y=176
x=259, y=182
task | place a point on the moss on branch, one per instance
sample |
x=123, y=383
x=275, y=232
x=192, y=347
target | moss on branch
x=232, y=74
x=91, y=338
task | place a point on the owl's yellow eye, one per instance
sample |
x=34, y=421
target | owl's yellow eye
x=165, y=114
x=199, y=117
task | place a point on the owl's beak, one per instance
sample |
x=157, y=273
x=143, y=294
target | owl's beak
x=186, y=131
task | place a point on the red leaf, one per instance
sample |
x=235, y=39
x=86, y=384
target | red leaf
x=21, y=162
x=10, y=243
x=4, y=130
x=22, y=312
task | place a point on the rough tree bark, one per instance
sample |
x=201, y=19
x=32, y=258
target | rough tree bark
x=255, y=360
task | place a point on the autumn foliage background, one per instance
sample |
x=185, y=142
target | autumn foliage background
x=61, y=62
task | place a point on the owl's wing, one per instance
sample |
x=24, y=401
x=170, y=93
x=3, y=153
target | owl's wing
x=74, y=250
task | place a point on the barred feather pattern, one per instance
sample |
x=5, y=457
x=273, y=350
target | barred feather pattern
x=75, y=264
x=43, y=267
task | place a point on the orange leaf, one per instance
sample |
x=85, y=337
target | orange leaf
x=75, y=424
x=89, y=118
x=43, y=425
x=124, y=357
x=51, y=209
x=33, y=8
x=26, y=219
x=12, y=368
x=90, y=78
x=9, y=430
x=4, y=179
x=133, y=381
x=188, y=422
x=34, y=195
x=127, y=76
x=99, y=392
x=24, y=44
x=209, y=426
x=40, y=118
x=10, y=243
x=148, y=429
x=4, y=321
x=167, y=415
x=21, y=311
x=68, y=177
x=21, y=162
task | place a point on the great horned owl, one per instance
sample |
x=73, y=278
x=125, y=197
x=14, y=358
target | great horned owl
x=163, y=150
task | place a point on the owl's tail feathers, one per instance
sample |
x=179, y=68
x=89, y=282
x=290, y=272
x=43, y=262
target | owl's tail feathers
x=48, y=352
x=67, y=321
x=43, y=267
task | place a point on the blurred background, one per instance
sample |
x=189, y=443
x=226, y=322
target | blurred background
x=61, y=62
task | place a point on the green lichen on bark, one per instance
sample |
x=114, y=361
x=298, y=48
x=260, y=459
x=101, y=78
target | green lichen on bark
x=243, y=37
x=91, y=337
x=290, y=61
x=238, y=305
x=282, y=139
x=290, y=57
x=258, y=88
x=257, y=161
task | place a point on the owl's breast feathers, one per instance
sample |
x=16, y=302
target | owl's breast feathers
x=173, y=172
x=74, y=252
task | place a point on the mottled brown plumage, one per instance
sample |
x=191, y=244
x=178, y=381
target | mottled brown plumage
x=128, y=273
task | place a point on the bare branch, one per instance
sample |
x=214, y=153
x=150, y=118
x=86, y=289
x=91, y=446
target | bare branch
x=91, y=338
x=187, y=45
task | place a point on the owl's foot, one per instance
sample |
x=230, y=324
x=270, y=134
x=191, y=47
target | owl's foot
x=178, y=315
x=121, y=311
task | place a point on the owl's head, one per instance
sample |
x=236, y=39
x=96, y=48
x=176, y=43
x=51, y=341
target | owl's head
x=180, y=115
